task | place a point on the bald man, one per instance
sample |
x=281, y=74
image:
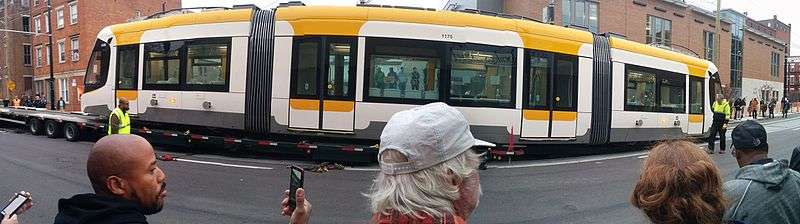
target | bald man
x=119, y=122
x=127, y=183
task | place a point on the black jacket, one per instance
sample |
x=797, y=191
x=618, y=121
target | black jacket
x=794, y=163
x=92, y=208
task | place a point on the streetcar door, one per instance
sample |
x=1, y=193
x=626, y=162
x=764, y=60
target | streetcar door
x=550, y=90
x=323, y=84
x=127, y=66
x=696, y=105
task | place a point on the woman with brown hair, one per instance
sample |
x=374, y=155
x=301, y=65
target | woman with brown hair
x=679, y=183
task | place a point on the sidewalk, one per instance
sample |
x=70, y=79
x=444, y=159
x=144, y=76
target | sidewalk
x=778, y=116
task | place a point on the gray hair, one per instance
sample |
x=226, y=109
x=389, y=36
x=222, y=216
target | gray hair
x=427, y=192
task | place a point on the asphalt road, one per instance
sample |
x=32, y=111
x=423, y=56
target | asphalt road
x=557, y=191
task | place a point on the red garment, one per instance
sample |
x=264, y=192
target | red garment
x=401, y=219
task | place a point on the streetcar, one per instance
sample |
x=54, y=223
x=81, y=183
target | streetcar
x=339, y=73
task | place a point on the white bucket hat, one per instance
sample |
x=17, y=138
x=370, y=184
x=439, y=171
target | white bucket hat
x=427, y=135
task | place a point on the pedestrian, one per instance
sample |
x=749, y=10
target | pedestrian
x=772, y=105
x=679, y=184
x=722, y=115
x=61, y=103
x=764, y=190
x=16, y=102
x=127, y=184
x=738, y=105
x=786, y=105
x=754, y=108
x=119, y=121
x=414, y=79
x=426, y=176
x=764, y=104
x=379, y=77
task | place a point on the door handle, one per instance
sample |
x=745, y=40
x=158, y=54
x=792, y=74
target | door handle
x=154, y=102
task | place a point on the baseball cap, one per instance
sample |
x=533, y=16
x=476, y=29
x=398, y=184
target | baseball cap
x=427, y=135
x=749, y=135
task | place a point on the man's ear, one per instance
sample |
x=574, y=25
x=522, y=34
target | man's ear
x=116, y=185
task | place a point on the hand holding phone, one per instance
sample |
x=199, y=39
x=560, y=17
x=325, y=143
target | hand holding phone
x=18, y=204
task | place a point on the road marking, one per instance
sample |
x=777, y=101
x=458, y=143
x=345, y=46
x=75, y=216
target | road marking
x=543, y=164
x=224, y=164
x=642, y=157
x=362, y=169
x=796, y=129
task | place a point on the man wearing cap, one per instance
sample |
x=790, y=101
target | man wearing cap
x=428, y=175
x=764, y=190
x=722, y=114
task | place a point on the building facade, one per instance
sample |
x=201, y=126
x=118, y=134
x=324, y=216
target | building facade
x=793, y=78
x=16, y=74
x=75, y=24
x=747, y=68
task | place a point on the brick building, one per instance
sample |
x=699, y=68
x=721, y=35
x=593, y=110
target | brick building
x=793, y=78
x=16, y=75
x=747, y=68
x=75, y=24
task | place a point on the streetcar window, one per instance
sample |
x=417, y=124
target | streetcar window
x=671, y=91
x=207, y=65
x=540, y=66
x=695, y=95
x=481, y=76
x=162, y=65
x=97, y=71
x=565, y=83
x=306, y=78
x=640, y=90
x=403, y=70
x=127, y=67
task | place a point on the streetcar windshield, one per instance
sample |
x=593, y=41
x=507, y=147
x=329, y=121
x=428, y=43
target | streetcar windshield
x=98, y=66
x=715, y=86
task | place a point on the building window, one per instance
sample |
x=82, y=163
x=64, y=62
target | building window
x=709, y=41
x=47, y=54
x=26, y=23
x=60, y=17
x=38, y=56
x=775, y=65
x=658, y=31
x=62, y=51
x=73, y=13
x=26, y=54
x=481, y=76
x=25, y=2
x=417, y=61
x=37, y=24
x=580, y=13
x=63, y=89
x=75, y=46
x=47, y=22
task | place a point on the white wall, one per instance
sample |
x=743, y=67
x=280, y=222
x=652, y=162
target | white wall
x=751, y=88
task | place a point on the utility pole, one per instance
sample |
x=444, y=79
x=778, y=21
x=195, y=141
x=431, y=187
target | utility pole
x=717, y=35
x=50, y=49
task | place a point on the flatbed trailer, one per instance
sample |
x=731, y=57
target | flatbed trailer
x=75, y=126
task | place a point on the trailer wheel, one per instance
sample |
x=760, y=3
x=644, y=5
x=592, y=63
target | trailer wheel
x=71, y=132
x=35, y=126
x=52, y=129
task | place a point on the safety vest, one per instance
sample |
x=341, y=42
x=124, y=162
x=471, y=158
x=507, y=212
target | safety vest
x=124, y=121
x=722, y=108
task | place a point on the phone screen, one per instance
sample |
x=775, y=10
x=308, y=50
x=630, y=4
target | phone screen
x=295, y=181
x=15, y=204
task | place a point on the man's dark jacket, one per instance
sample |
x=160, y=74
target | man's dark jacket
x=92, y=208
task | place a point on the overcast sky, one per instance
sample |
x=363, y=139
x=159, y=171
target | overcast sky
x=787, y=10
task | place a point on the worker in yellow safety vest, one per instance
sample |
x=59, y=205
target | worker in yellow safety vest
x=722, y=115
x=119, y=122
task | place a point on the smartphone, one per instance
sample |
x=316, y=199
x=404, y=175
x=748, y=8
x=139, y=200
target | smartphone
x=15, y=204
x=295, y=181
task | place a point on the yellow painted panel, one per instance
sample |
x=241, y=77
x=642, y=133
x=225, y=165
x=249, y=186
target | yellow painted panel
x=565, y=116
x=131, y=33
x=696, y=66
x=337, y=27
x=536, y=115
x=694, y=118
x=304, y=104
x=130, y=95
x=551, y=44
x=338, y=106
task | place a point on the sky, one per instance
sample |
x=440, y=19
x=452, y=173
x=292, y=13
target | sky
x=786, y=10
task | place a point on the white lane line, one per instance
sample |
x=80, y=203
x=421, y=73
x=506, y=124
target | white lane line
x=796, y=129
x=569, y=162
x=642, y=157
x=362, y=169
x=223, y=164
